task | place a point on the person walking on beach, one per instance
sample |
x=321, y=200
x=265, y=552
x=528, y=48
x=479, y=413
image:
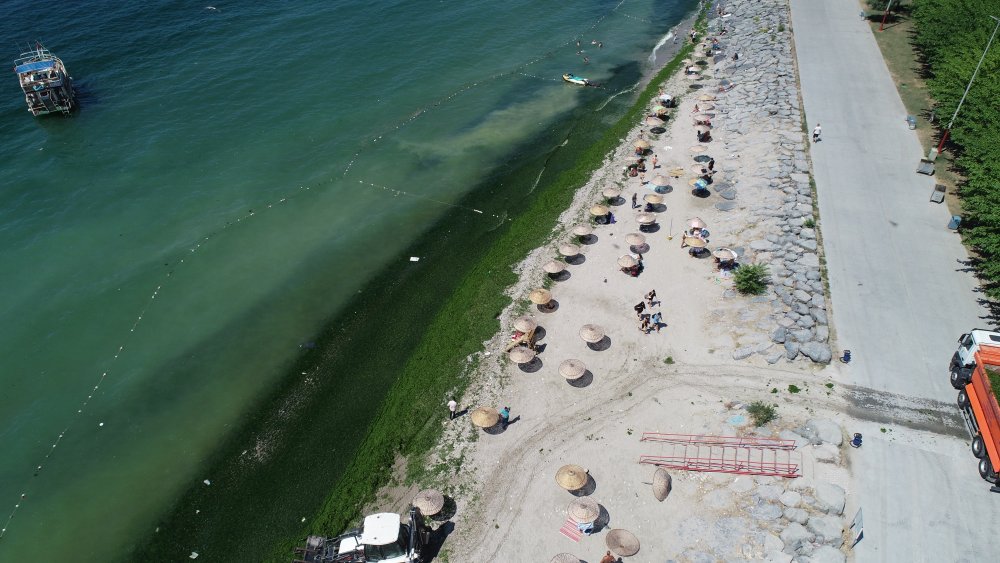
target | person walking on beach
x=608, y=558
x=656, y=162
x=452, y=405
x=650, y=297
x=635, y=199
x=639, y=309
x=504, y=417
x=657, y=319
x=816, y=133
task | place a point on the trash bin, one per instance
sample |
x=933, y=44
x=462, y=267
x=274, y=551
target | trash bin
x=911, y=121
x=956, y=221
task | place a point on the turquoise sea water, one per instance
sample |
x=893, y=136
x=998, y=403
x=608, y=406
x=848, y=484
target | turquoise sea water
x=233, y=178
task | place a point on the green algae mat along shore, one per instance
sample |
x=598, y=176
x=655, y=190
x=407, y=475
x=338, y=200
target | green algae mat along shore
x=408, y=422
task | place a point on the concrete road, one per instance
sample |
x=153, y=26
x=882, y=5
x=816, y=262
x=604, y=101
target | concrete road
x=900, y=292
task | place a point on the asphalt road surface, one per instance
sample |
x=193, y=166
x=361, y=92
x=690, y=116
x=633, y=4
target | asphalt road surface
x=900, y=290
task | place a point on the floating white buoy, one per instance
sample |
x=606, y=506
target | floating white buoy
x=101, y=424
x=207, y=482
x=414, y=258
x=194, y=555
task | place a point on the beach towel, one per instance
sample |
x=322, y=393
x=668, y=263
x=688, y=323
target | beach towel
x=570, y=530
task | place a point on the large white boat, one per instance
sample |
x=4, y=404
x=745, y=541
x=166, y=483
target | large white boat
x=47, y=86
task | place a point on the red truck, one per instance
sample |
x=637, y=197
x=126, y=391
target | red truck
x=972, y=366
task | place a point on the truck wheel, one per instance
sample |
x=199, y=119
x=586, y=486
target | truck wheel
x=963, y=399
x=978, y=446
x=956, y=379
x=986, y=470
x=954, y=361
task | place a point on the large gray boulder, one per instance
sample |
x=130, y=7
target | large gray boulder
x=790, y=499
x=827, y=431
x=791, y=349
x=817, y=352
x=828, y=530
x=827, y=554
x=798, y=515
x=830, y=498
x=794, y=536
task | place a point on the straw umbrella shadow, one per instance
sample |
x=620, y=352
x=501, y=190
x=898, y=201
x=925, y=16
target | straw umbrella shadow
x=533, y=366
x=583, y=381
x=539, y=335
x=576, y=260
x=651, y=228
x=700, y=193
x=550, y=307
x=561, y=276
x=639, y=248
x=615, y=201
x=498, y=428
x=601, y=345
x=656, y=207
x=603, y=519
x=587, y=489
x=447, y=511
x=589, y=239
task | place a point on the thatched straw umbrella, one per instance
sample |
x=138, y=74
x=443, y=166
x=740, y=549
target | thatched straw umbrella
x=599, y=210
x=429, y=501
x=485, y=417
x=521, y=354
x=661, y=484
x=635, y=239
x=583, y=230
x=554, y=267
x=627, y=261
x=571, y=477
x=572, y=369
x=622, y=542
x=525, y=323
x=584, y=509
x=592, y=333
x=567, y=249
x=540, y=296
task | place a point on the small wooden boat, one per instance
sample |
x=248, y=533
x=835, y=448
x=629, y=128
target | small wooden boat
x=574, y=79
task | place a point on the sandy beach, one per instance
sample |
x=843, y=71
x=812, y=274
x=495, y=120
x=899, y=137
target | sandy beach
x=717, y=351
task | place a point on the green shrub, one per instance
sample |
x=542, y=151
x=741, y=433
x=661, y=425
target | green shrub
x=761, y=413
x=751, y=279
x=809, y=223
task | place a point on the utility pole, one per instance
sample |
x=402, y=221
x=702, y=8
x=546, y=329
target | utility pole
x=885, y=15
x=974, y=73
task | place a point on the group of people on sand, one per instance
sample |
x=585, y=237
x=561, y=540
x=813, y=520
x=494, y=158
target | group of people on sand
x=649, y=321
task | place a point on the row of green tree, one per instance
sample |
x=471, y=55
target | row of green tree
x=952, y=35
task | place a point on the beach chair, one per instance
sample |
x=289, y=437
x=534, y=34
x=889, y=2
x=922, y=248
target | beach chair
x=526, y=339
